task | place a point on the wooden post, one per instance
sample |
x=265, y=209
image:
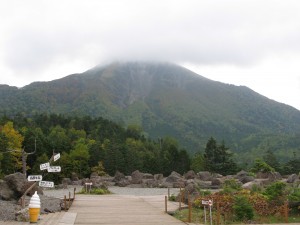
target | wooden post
x=166, y=204
x=190, y=209
x=168, y=193
x=65, y=202
x=74, y=194
x=218, y=212
x=286, y=212
x=180, y=200
x=69, y=200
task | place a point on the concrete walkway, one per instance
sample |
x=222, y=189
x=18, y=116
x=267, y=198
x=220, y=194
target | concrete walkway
x=118, y=209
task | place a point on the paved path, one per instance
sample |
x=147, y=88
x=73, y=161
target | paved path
x=119, y=209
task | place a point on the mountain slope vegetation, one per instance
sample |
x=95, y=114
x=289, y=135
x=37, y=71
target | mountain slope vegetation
x=165, y=100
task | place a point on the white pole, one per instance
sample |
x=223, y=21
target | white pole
x=204, y=214
x=210, y=215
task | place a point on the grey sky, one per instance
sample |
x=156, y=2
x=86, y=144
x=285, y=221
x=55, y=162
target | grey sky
x=251, y=42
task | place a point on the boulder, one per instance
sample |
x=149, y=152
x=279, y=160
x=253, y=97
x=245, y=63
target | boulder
x=123, y=183
x=148, y=176
x=272, y=176
x=16, y=182
x=158, y=177
x=243, y=177
x=5, y=192
x=292, y=178
x=36, y=188
x=205, y=176
x=94, y=175
x=216, y=182
x=118, y=176
x=189, y=175
x=173, y=177
x=137, y=177
x=66, y=181
x=249, y=185
x=74, y=176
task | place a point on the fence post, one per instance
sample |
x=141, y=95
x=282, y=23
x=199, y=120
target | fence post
x=218, y=212
x=74, y=193
x=180, y=200
x=190, y=209
x=166, y=204
x=69, y=199
x=286, y=212
x=65, y=202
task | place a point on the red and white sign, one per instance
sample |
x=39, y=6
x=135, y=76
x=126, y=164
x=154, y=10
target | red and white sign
x=207, y=202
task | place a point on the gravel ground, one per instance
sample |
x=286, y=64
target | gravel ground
x=142, y=191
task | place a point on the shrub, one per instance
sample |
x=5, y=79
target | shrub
x=243, y=210
x=276, y=192
x=231, y=186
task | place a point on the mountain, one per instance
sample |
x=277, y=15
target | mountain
x=165, y=100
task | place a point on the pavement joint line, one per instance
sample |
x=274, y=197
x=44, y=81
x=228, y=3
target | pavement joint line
x=68, y=219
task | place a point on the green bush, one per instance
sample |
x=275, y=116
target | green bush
x=276, y=192
x=231, y=186
x=243, y=210
x=95, y=191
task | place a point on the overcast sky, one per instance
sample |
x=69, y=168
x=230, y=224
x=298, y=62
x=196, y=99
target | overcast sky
x=255, y=43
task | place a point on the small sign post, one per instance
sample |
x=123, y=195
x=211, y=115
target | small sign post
x=56, y=157
x=48, y=184
x=54, y=169
x=35, y=178
x=90, y=187
x=44, y=166
x=209, y=203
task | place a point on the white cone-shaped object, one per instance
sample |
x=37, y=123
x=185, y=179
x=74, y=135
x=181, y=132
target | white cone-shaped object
x=34, y=208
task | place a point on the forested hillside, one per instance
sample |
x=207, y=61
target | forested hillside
x=85, y=145
x=98, y=145
x=166, y=100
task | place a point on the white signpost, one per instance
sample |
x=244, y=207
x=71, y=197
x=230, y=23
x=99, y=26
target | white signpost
x=209, y=203
x=44, y=166
x=35, y=178
x=48, y=184
x=54, y=169
x=56, y=157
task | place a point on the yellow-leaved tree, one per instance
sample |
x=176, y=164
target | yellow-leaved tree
x=14, y=144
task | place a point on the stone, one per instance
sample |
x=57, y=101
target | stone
x=148, y=176
x=22, y=215
x=36, y=188
x=66, y=181
x=158, y=176
x=173, y=177
x=5, y=192
x=118, y=176
x=16, y=182
x=292, y=178
x=74, y=176
x=189, y=175
x=216, y=182
x=205, y=176
x=137, y=177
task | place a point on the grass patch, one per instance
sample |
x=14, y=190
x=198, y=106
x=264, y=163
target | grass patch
x=95, y=191
x=198, y=217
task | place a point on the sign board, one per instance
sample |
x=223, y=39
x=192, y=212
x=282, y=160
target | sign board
x=35, y=178
x=46, y=184
x=88, y=183
x=44, y=166
x=54, y=169
x=56, y=157
x=207, y=202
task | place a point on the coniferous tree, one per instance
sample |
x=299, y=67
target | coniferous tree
x=218, y=158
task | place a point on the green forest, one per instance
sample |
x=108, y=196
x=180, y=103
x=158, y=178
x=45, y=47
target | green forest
x=98, y=145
